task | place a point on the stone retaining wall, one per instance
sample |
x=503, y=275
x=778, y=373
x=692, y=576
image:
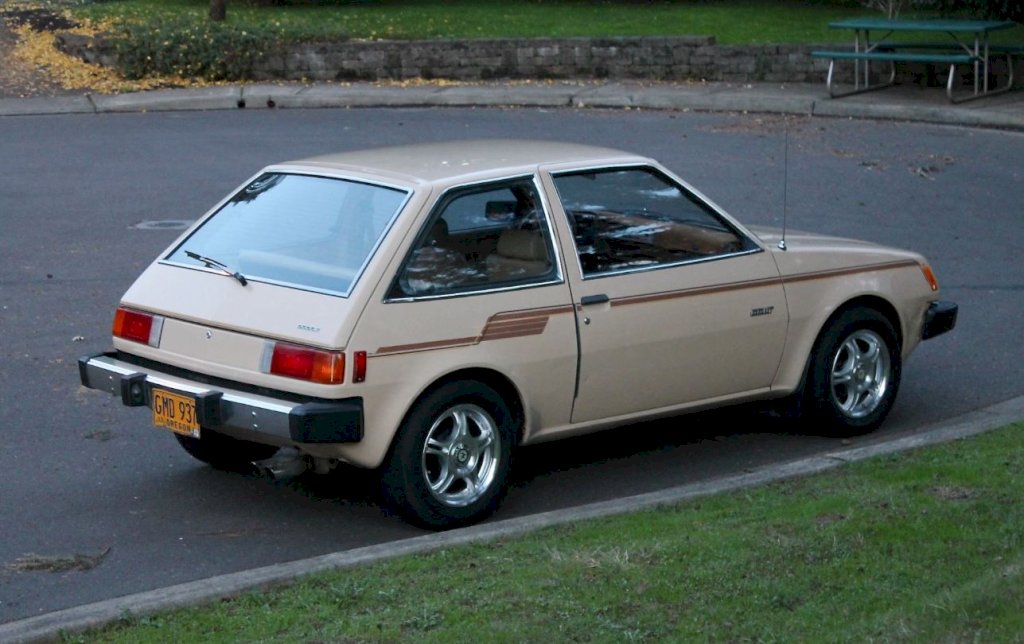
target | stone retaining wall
x=646, y=58
x=642, y=58
x=650, y=58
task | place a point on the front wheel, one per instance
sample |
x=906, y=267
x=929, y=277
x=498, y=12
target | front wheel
x=449, y=465
x=854, y=374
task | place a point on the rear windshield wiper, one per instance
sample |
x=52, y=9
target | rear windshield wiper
x=212, y=263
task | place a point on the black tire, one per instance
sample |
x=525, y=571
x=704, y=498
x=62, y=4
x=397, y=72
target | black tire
x=854, y=374
x=449, y=463
x=224, y=452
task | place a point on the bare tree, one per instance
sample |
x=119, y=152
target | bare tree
x=891, y=8
x=218, y=9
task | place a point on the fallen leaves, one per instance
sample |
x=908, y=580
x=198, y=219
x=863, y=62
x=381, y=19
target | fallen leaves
x=953, y=493
x=937, y=163
x=38, y=48
x=37, y=51
x=57, y=563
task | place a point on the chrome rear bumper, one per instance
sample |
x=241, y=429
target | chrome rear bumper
x=242, y=413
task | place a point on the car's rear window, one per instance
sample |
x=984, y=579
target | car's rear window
x=315, y=233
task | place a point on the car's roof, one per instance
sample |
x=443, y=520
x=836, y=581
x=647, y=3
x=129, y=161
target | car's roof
x=429, y=162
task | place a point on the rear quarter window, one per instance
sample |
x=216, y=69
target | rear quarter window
x=480, y=238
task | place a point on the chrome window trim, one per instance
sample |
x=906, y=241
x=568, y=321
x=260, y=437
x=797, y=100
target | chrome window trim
x=679, y=183
x=553, y=245
x=657, y=267
x=482, y=291
x=408, y=192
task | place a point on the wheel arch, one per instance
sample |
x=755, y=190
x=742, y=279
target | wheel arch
x=499, y=382
x=873, y=302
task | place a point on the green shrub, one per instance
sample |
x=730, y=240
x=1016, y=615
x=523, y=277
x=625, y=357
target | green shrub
x=192, y=47
x=995, y=9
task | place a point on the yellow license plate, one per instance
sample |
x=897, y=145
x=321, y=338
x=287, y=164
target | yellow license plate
x=175, y=412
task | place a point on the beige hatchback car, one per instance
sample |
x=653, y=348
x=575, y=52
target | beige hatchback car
x=425, y=310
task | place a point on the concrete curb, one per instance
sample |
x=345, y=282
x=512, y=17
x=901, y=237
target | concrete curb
x=46, y=106
x=921, y=114
x=1005, y=112
x=164, y=100
x=81, y=618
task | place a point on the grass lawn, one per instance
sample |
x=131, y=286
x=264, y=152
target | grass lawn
x=921, y=546
x=730, y=21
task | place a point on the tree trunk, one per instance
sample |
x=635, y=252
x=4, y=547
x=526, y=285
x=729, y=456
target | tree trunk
x=218, y=9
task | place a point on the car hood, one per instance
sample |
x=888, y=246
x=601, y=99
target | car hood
x=807, y=240
x=815, y=252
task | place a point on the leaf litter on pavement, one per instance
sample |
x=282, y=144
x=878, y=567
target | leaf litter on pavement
x=57, y=563
x=41, y=67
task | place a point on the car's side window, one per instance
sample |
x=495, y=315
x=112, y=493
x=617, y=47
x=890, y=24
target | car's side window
x=630, y=218
x=479, y=238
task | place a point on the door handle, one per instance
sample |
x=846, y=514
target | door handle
x=600, y=298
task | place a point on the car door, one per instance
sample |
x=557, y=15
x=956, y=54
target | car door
x=478, y=291
x=675, y=305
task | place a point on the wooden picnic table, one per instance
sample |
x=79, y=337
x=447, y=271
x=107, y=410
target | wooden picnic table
x=967, y=43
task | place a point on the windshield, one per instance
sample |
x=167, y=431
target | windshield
x=308, y=232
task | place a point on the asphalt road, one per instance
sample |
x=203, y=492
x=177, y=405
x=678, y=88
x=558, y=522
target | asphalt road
x=89, y=484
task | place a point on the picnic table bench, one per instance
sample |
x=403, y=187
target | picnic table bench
x=953, y=52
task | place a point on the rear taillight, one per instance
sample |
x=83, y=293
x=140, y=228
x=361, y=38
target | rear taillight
x=137, y=326
x=305, y=363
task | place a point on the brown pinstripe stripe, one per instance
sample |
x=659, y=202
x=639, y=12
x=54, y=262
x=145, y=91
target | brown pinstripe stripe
x=500, y=326
x=424, y=346
x=838, y=272
x=515, y=324
x=692, y=292
x=529, y=313
x=771, y=281
x=505, y=330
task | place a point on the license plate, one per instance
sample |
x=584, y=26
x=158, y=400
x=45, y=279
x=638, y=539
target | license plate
x=175, y=412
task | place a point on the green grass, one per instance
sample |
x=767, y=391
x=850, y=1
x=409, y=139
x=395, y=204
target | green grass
x=739, y=22
x=731, y=22
x=175, y=36
x=921, y=546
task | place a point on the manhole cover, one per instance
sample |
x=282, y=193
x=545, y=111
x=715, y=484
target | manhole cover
x=163, y=224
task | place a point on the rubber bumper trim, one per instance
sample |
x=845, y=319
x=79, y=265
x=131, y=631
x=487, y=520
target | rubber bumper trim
x=335, y=422
x=938, y=319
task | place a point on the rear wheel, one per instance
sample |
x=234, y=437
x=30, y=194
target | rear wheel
x=449, y=464
x=224, y=452
x=854, y=374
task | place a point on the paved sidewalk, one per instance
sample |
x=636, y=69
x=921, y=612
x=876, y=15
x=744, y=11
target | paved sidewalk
x=901, y=103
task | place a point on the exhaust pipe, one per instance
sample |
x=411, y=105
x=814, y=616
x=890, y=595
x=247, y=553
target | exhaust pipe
x=286, y=464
